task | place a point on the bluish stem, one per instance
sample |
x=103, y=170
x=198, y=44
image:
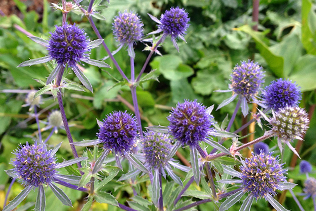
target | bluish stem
x=50, y=135
x=122, y=206
x=137, y=114
x=132, y=69
x=296, y=200
x=233, y=116
x=149, y=56
x=245, y=125
x=96, y=31
x=90, y=6
x=66, y=184
x=314, y=203
x=7, y=194
x=160, y=200
x=38, y=126
x=225, y=195
x=194, y=204
x=63, y=115
x=64, y=13
x=183, y=190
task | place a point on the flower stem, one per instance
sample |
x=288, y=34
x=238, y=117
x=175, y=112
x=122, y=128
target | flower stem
x=66, y=184
x=7, y=194
x=63, y=115
x=122, y=206
x=296, y=200
x=38, y=126
x=150, y=55
x=314, y=203
x=183, y=190
x=194, y=204
x=90, y=6
x=50, y=135
x=132, y=69
x=224, y=195
x=160, y=200
x=233, y=116
x=96, y=31
x=137, y=114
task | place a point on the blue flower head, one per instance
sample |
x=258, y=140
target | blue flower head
x=127, y=29
x=156, y=147
x=118, y=132
x=310, y=188
x=32, y=101
x=190, y=123
x=305, y=167
x=34, y=165
x=173, y=22
x=260, y=147
x=261, y=175
x=247, y=79
x=281, y=93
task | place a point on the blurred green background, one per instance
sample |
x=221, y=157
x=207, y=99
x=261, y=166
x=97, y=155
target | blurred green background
x=219, y=37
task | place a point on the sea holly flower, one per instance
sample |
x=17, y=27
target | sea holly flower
x=67, y=46
x=305, y=167
x=32, y=101
x=173, y=22
x=260, y=147
x=281, y=93
x=190, y=123
x=54, y=121
x=310, y=188
x=260, y=177
x=288, y=123
x=35, y=166
x=128, y=29
x=246, y=82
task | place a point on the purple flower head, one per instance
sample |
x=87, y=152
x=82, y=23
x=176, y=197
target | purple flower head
x=156, y=148
x=305, y=167
x=118, y=132
x=247, y=79
x=281, y=93
x=127, y=28
x=68, y=45
x=190, y=123
x=261, y=175
x=260, y=147
x=34, y=165
x=174, y=22
x=289, y=123
x=310, y=188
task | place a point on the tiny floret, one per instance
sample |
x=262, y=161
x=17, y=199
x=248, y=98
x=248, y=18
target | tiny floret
x=290, y=123
x=68, y=45
x=55, y=120
x=118, y=132
x=281, y=93
x=260, y=147
x=30, y=100
x=310, y=187
x=247, y=79
x=174, y=22
x=34, y=165
x=190, y=123
x=127, y=28
x=156, y=147
x=305, y=167
x=261, y=175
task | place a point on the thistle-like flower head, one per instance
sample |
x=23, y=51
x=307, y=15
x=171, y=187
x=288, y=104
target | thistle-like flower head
x=174, y=22
x=261, y=175
x=127, y=28
x=55, y=119
x=156, y=147
x=31, y=100
x=309, y=187
x=34, y=165
x=190, y=123
x=247, y=79
x=290, y=123
x=260, y=147
x=281, y=93
x=68, y=44
x=305, y=167
x=118, y=132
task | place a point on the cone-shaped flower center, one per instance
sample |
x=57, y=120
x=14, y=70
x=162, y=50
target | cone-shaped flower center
x=34, y=165
x=261, y=175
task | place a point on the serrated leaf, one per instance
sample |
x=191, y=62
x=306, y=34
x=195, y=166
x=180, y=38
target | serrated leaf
x=196, y=194
x=135, y=162
x=141, y=201
x=274, y=203
x=18, y=199
x=205, y=186
x=43, y=90
x=129, y=175
x=98, y=16
x=103, y=197
x=99, y=162
x=231, y=171
x=40, y=200
x=217, y=146
x=231, y=200
x=87, y=205
x=85, y=179
x=109, y=178
x=35, y=61
x=70, y=162
x=60, y=194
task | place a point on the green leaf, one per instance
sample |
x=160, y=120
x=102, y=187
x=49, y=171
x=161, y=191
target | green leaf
x=109, y=178
x=87, y=205
x=60, y=194
x=206, y=82
x=196, y=194
x=308, y=27
x=18, y=199
x=108, y=91
x=85, y=179
x=103, y=197
x=137, y=206
x=152, y=75
x=40, y=200
x=145, y=99
x=181, y=90
x=275, y=62
x=43, y=90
